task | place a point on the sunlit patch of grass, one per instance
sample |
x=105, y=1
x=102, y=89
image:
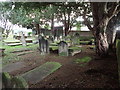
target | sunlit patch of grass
x=54, y=47
x=75, y=48
x=11, y=48
x=53, y=44
x=82, y=38
x=83, y=60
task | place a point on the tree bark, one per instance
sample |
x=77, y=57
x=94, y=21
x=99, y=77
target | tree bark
x=102, y=14
x=67, y=24
x=101, y=44
x=52, y=23
x=38, y=29
x=100, y=25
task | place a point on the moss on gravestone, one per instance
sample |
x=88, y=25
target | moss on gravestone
x=118, y=56
x=6, y=80
x=19, y=82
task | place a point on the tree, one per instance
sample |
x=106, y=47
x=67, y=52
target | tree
x=102, y=13
x=111, y=29
x=4, y=14
x=67, y=13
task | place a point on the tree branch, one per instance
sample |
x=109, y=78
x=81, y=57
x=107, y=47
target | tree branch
x=113, y=10
x=86, y=21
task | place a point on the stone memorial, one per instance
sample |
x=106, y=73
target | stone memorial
x=63, y=48
x=22, y=39
x=51, y=39
x=75, y=39
x=43, y=45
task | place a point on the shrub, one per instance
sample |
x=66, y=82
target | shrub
x=29, y=33
x=19, y=82
x=6, y=80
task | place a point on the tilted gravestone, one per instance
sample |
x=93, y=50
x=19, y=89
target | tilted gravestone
x=63, y=48
x=22, y=39
x=43, y=45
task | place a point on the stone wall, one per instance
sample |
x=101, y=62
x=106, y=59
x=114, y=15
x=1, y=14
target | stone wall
x=82, y=33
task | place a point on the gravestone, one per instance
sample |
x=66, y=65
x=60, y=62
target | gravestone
x=51, y=39
x=75, y=39
x=22, y=39
x=63, y=48
x=43, y=45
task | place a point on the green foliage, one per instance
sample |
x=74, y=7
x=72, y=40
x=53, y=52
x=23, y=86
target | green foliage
x=75, y=48
x=6, y=79
x=29, y=33
x=19, y=82
x=13, y=82
x=83, y=60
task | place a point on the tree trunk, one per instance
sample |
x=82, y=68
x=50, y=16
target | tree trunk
x=101, y=44
x=38, y=29
x=67, y=24
x=111, y=31
x=52, y=24
x=100, y=26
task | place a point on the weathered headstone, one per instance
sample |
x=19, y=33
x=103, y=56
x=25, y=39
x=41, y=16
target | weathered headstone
x=22, y=39
x=50, y=39
x=75, y=39
x=63, y=48
x=43, y=45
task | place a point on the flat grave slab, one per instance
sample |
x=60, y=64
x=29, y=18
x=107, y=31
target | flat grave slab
x=20, y=50
x=41, y=72
x=13, y=66
x=14, y=44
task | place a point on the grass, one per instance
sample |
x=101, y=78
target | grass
x=75, y=48
x=9, y=57
x=12, y=56
x=53, y=44
x=82, y=38
x=83, y=60
x=54, y=47
x=84, y=42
